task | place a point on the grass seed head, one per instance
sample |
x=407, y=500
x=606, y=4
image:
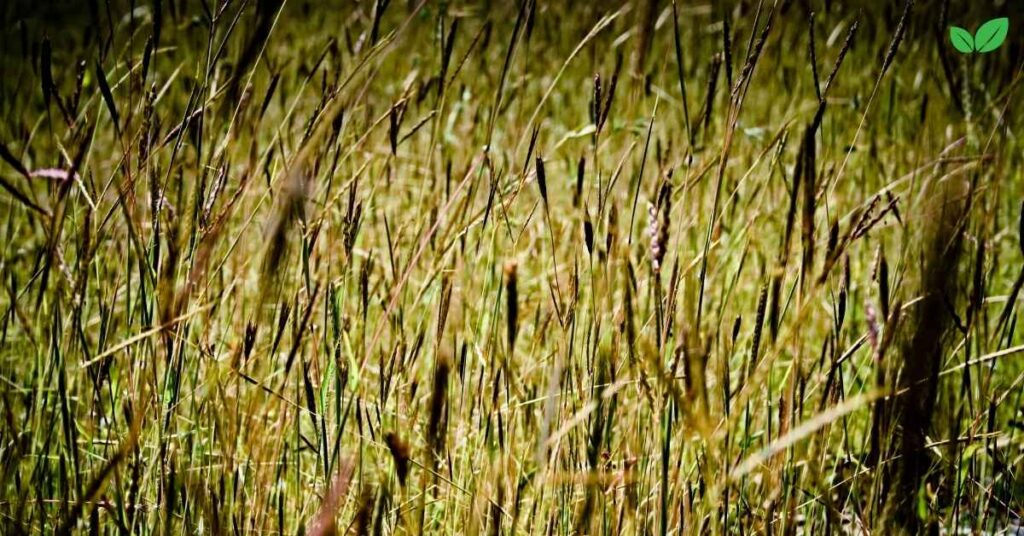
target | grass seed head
x=399, y=454
x=511, y=302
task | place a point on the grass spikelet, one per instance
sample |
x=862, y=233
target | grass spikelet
x=755, y=344
x=588, y=233
x=578, y=192
x=542, y=181
x=438, y=401
x=399, y=454
x=511, y=304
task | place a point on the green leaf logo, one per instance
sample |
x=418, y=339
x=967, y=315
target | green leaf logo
x=989, y=36
x=962, y=39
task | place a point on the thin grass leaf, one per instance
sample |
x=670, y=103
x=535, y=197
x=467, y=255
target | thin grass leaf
x=108, y=97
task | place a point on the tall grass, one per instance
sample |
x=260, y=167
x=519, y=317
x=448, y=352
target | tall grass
x=293, y=267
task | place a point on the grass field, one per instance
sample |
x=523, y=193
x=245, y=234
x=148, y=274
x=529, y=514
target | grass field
x=301, y=267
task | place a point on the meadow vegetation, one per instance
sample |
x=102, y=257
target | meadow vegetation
x=536, y=267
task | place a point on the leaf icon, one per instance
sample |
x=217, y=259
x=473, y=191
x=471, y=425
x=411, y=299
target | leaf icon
x=962, y=39
x=991, y=34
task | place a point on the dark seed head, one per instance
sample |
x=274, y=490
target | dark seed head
x=588, y=234
x=400, y=453
x=542, y=181
x=512, y=302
